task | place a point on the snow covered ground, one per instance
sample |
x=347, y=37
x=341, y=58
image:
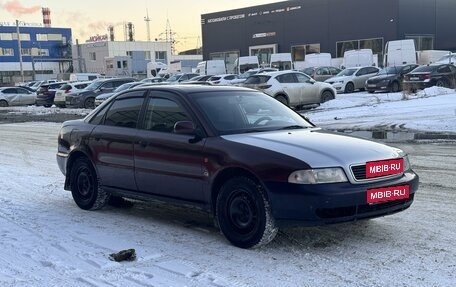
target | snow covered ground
x=430, y=110
x=46, y=240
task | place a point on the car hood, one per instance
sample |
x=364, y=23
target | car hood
x=317, y=147
x=339, y=78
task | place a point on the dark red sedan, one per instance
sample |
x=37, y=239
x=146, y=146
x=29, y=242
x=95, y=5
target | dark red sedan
x=241, y=155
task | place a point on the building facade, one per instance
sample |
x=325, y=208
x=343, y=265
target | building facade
x=108, y=57
x=45, y=52
x=301, y=27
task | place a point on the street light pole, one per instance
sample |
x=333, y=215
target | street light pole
x=20, y=49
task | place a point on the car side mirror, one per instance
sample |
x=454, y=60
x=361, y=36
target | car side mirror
x=184, y=127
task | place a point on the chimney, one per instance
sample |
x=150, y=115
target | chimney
x=130, y=32
x=46, y=17
x=111, y=33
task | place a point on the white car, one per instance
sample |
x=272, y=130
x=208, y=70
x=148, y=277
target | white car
x=292, y=88
x=16, y=96
x=59, y=99
x=351, y=79
x=222, y=80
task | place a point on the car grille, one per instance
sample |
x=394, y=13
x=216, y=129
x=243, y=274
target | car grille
x=359, y=171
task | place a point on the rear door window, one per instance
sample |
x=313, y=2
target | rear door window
x=125, y=110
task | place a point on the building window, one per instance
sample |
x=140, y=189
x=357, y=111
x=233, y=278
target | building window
x=41, y=37
x=124, y=64
x=119, y=65
x=54, y=37
x=6, y=52
x=6, y=36
x=129, y=53
x=422, y=42
x=160, y=56
x=299, y=52
x=43, y=52
x=148, y=54
x=24, y=37
x=229, y=57
x=375, y=44
x=92, y=56
x=26, y=51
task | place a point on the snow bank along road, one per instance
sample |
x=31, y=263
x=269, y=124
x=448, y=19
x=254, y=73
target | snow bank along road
x=46, y=240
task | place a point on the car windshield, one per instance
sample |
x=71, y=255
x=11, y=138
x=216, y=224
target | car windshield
x=347, y=72
x=123, y=87
x=429, y=68
x=389, y=71
x=308, y=71
x=174, y=78
x=247, y=111
x=94, y=85
x=247, y=74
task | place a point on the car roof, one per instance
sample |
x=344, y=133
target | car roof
x=195, y=88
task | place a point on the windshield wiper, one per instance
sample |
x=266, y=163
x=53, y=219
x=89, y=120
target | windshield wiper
x=293, y=127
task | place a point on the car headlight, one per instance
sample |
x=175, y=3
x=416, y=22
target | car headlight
x=317, y=176
x=407, y=165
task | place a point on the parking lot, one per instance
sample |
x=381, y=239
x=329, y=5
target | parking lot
x=47, y=238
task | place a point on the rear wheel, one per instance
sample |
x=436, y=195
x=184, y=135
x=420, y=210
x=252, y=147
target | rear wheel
x=89, y=103
x=326, y=96
x=441, y=83
x=243, y=213
x=282, y=99
x=395, y=87
x=85, y=186
x=3, y=103
x=349, y=88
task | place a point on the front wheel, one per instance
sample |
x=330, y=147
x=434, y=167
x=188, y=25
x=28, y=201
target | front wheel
x=282, y=99
x=243, y=213
x=85, y=186
x=89, y=103
x=349, y=88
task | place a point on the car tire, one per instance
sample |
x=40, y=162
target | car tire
x=282, y=99
x=244, y=214
x=85, y=186
x=441, y=83
x=89, y=103
x=349, y=88
x=370, y=91
x=3, y=103
x=326, y=96
x=395, y=87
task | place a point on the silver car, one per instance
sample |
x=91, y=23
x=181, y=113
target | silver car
x=292, y=88
x=352, y=79
x=16, y=96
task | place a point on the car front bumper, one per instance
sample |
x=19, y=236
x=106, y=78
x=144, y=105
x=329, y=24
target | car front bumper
x=319, y=204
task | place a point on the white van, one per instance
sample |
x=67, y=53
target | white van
x=245, y=63
x=318, y=59
x=79, y=77
x=426, y=57
x=281, y=61
x=154, y=69
x=211, y=67
x=358, y=58
x=400, y=52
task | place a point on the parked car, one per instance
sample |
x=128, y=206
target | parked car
x=200, y=78
x=86, y=98
x=60, y=93
x=180, y=77
x=447, y=59
x=46, y=93
x=103, y=97
x=242, y=77
x=389, y=79
x=292, y=88
x=248, y=160
x=321, y=73
x=224, y=79
x=441, y=75
x=16, y=96
x=153, y=80
x=351, y=79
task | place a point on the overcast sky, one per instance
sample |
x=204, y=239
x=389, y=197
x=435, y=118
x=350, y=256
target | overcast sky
x=89, y=18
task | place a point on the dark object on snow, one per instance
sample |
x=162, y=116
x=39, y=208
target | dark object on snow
x=123, y=255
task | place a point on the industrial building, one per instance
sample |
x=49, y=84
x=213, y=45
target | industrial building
x=33, y=50
x=301, y=27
